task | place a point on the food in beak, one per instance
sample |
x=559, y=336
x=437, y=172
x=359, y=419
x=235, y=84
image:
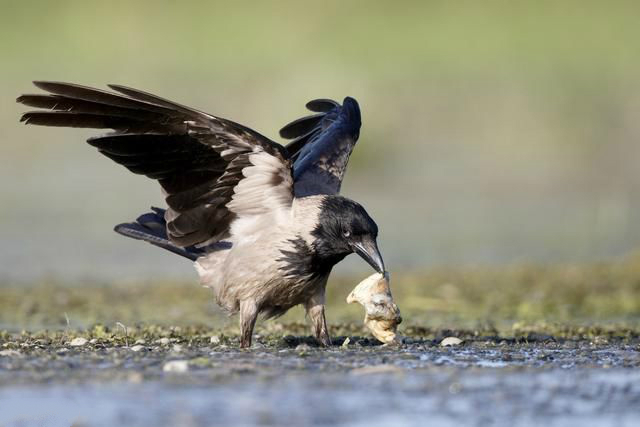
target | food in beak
x=382, y=315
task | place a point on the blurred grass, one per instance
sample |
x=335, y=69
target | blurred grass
x=506, y=131
x=435, y=37
x=501, y=299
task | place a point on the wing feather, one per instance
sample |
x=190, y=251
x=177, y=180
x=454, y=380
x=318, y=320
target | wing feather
x=214, y=172
x=301, y=126
x=322, y=105
x=322, y=144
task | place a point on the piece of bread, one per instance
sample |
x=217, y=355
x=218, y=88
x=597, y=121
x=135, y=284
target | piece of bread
x=382, y=315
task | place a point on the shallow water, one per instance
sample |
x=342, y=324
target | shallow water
x=480, y=383
x=441, y=397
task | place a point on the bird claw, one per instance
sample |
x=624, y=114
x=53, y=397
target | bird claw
x=324, y=340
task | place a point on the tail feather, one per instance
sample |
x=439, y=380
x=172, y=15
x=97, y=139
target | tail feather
x=151, y=227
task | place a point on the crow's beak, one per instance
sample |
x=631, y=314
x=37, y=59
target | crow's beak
x=368, y=250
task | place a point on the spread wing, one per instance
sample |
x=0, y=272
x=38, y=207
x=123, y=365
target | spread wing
x=212, y=171
x=322, y=144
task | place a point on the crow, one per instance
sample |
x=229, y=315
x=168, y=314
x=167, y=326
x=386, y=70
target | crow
x=263, y=223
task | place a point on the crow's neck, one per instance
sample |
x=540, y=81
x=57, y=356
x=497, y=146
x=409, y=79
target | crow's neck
x=310, y=259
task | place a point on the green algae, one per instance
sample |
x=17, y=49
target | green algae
x=568, y=300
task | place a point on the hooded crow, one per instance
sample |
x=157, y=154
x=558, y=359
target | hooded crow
x=263, y=223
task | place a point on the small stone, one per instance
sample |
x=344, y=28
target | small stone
x=93, y=341
x=200, y=361
x=177, y=366
x=176, y=348
x=214, y=339
x=140, y=341
x=600, y=340
x=137, y=348
x=10, y=353
x=135, y=377
x=450, y=341
x=346, y=342
x=303, y=347
x=163, y=341
x=78, y=342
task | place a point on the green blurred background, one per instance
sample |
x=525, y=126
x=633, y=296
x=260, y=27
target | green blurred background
x=493, y=132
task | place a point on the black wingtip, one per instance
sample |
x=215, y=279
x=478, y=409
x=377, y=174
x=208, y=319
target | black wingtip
x=26, y=99
x=301, y=126
x=134, y=231
x=44, y=84
x=126, y=90
x=321, y=105
x=26, y=117
x=350, y=102
x=120, y=228
x=352, y=109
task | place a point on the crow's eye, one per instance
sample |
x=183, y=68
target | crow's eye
x=346, y=233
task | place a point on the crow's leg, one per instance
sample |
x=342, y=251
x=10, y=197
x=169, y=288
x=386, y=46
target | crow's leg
x=248, y=316
x=315, y=311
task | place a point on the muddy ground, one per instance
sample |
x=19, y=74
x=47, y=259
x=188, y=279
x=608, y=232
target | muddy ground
x=172, y=376
x=554, y=346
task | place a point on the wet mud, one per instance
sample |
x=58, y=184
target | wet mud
x=198, y=379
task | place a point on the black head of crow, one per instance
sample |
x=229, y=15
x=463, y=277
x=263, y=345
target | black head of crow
x=263, y=223
x=344, y=227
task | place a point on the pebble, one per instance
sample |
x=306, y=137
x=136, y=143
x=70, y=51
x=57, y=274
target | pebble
x=214, y=339
x=177, y=348
x=10, y=353
x=200, y=361
x=346, y=342
x=138, y=348
x=163, y=341
x=303, y=347
x=78, y=342
x=450, y=341
x=135, y=377
x=176, y=366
